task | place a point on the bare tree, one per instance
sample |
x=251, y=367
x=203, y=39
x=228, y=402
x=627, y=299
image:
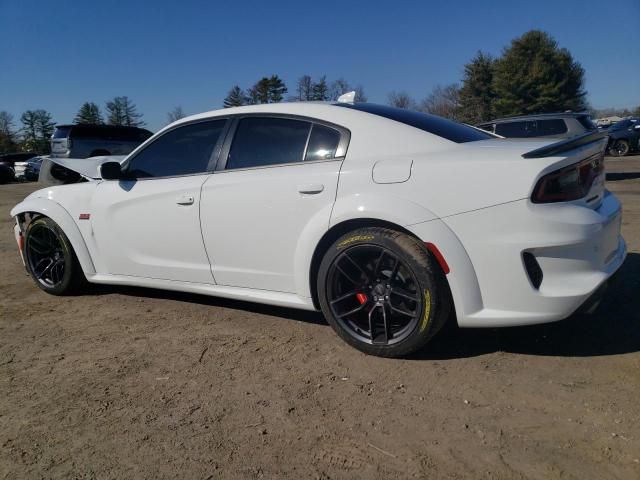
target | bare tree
x=443, y=101
x=339, y=87
x=401, y=100
x=304, y=89
x=360, y=95
x=175, y=114
x=7, y=134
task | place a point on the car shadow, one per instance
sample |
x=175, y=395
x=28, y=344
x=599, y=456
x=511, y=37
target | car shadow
x=613, y=329
x=614, y=177
x=219, y=302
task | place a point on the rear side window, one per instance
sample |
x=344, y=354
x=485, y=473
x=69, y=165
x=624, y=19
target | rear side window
x=260, y=142
x=323, y=143
x=514, y=129
x=448, y=129
x=183, y=151
x=554, y=126
x=61, y=132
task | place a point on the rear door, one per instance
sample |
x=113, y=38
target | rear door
x=277, y=178
x=149, y=225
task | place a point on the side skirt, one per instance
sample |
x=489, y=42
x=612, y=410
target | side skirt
x=268, y=297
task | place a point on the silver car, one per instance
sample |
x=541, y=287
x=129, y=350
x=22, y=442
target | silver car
x=551, y=125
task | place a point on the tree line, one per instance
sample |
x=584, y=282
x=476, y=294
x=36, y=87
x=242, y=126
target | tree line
x=532, y=75
x=273, y=89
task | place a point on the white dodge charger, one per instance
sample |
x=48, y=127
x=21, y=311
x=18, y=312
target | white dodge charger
x=389, y=221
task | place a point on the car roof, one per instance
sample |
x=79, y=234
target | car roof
x=538, y=116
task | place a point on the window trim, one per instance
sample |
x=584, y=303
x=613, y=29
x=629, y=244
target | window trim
x=343, y=144
x=213, y=159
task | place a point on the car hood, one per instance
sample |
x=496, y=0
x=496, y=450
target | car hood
x=89, y=168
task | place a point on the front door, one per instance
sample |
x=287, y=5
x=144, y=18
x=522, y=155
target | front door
x=149, y=224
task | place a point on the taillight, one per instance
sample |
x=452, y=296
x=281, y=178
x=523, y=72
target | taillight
x=569, y=183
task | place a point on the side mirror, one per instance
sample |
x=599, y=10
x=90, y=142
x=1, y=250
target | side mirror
x=111, y=171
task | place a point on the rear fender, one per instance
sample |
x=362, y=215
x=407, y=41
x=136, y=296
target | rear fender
x=58, y=214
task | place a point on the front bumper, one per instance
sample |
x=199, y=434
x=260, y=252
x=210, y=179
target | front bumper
x=577, y=249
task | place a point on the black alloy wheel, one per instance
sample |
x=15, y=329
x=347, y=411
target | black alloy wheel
x=50, y=259
x=381, y=292
x=619, y=148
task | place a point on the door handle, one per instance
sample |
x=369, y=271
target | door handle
x=310, y=188
x=185, y=200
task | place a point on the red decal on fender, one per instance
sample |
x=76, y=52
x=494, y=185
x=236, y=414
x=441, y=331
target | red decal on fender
x=84, y=216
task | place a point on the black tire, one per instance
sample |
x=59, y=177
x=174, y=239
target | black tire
x=50, y=258
x=401, y=297
x=619, y=148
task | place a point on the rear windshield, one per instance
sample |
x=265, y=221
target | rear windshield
x=453, y=131
x=110, y=133
x=61, y=132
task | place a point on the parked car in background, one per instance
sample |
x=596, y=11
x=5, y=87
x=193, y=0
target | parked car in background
x=6, y=173
x=355, y=209
x=624, y=137
x=83, y=141
x=16, y=163
x=32, y=169
x=552, y=125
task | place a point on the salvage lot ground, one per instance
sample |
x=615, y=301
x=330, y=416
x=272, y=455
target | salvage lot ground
x=133, y=383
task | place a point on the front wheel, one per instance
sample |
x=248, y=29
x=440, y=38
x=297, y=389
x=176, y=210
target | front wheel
x=619, y=148
x=50, y=258
x=382, y=292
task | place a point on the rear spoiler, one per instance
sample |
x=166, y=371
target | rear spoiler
x=566, y=145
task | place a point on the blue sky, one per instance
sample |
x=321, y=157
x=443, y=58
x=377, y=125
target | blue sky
x=57, y=54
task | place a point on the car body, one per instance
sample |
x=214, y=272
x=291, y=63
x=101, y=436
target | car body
x=83, y=141
x=624, y=137
x=284, y=192
x=548, y=125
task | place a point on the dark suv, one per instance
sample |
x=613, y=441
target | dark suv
x=559, y=125
x=83, y=141
x=624, y=137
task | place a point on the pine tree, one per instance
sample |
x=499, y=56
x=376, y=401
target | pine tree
x=277, y=89
x=267, y=90
x=235, y=98
x=89, y=114
x=122, y=111
x=259, y=93
x=320, y=90
x=534, y=75
x=477, y=94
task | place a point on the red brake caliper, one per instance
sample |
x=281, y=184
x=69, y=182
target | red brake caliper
x=362, y=298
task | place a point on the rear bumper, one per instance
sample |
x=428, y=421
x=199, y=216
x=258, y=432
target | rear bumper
x=576, y=248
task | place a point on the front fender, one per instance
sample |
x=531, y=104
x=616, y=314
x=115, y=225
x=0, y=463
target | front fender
x=58, y=214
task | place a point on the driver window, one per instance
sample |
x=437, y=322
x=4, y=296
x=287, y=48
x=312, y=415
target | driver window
x=183, y=151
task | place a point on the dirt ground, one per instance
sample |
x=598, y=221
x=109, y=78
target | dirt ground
x=134, y=383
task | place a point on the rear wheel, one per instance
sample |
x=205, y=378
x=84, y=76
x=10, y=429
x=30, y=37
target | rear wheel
x=619, y=148
x=50, y=258
x=382, y=292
